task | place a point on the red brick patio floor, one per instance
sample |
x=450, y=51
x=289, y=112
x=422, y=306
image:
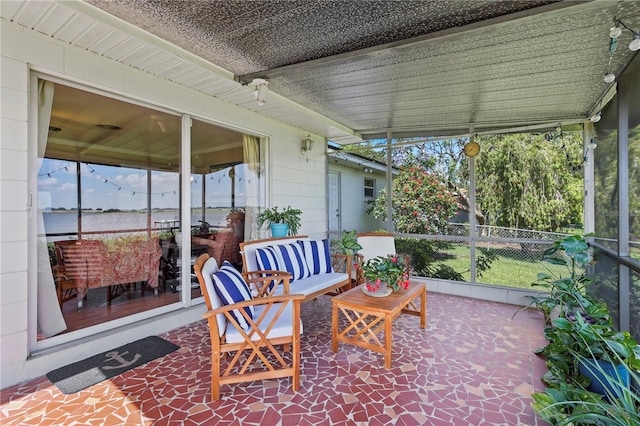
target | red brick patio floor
x=472, y=365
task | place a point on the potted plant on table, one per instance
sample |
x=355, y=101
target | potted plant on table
x=282, y=222
x=386, y=272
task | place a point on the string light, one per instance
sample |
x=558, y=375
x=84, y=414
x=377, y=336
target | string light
x=106, y=180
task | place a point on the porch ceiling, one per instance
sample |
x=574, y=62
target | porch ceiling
x=355, y=69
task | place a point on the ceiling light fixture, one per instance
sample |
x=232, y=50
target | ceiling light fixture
x=609, y=78
x=596, y=117
x=261, y=90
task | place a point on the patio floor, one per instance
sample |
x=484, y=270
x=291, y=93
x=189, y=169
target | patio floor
x=472, y=365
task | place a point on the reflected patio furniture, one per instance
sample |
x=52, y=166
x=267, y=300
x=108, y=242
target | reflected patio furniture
x=272, y=336
x=97, y=263
x=65, y=287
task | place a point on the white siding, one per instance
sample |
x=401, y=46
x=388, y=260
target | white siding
x=352, y=199
x=294, y=181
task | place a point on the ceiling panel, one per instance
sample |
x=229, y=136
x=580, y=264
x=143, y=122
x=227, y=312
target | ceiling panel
x=356, y=69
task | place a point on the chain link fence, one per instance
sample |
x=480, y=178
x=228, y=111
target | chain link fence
x=499, y=255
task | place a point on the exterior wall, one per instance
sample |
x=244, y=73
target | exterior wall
x=353, y=205
x=293, y=181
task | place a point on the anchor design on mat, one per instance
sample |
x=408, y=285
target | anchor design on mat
x=116, y=356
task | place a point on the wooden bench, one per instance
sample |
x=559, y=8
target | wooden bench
x=330, y=283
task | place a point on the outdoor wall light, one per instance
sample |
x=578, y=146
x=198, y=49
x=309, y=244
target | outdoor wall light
x=596, y=117
x=307, y=145
x=261, y=90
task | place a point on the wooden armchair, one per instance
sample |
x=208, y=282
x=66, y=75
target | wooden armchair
x=273, y=330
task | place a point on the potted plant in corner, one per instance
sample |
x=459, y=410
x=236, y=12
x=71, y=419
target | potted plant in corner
x=564, y=294
x=281, y=222
x=585, y=354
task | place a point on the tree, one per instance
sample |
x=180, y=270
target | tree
x=531, y=181
x=421, y=203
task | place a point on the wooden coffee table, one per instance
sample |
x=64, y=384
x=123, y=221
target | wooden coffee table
x=367, y=316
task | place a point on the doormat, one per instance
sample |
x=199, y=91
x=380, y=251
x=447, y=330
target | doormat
x=82, y=374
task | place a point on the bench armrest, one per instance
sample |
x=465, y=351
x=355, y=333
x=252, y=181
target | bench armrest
x=265, y=282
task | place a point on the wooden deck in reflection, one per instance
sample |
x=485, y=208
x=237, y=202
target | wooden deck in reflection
x=97, y=311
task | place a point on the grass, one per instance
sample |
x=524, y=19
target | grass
x=510, y=269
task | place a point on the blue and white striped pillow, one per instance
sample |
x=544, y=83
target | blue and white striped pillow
x=318, y=256
x=232, y=288
x=293, y=260
x=267, y=259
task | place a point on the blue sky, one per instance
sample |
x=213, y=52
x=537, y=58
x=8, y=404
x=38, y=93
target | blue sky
x=105, y=187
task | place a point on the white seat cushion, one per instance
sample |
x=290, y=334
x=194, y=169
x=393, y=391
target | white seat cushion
x=283, y=326
x=313, y=283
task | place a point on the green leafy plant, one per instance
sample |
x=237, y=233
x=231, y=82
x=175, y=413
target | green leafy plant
x=287, y=215
x=571, y=403
x=565, y=292
x=348, y=243
x=391, y=270
x=580, y=339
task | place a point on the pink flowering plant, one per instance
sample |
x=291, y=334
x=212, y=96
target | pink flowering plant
x=386, y=269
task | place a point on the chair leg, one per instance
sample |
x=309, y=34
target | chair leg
x=215, y=377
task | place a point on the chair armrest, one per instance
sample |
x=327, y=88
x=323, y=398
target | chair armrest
x=59, y=273
x=256, y=328
x=350, y=264
x=265, y=282
x=254, y=302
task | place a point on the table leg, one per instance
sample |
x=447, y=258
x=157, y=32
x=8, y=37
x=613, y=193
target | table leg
x=387, y=341
x=334, y=328
x=423, y=307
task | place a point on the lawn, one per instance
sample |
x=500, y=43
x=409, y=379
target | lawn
x=512, y=268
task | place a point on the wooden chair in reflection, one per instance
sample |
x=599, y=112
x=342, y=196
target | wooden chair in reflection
x=271, y=334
